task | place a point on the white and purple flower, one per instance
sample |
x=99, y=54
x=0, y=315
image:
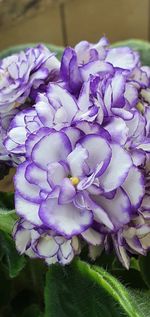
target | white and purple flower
x=21, y=72
x=82, y=146
x=43, y=243
x=66, y=187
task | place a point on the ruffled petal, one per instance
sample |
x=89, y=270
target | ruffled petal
x=69, y=71
x=46, y=246
x=134, y=186
x=74, y=134
x=117, y=169
x=122, y=57
x=27, y=209
x=65, y=99
x=37, y=176
x=98, y=150
x=93, y=237
x=122, y=113
x=35, y=138
x=27, y=190
x=56, y=173
x=76, y=160
x=67, y=192
x=118, y=130
x=51, y=148
x=96, y=67
x=65, y=219
x=118, y=208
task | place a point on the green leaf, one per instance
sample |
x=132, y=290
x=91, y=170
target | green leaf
x=144, y=263
x=5, y=290
x=7, y=220
x=12, y=261
x=132, y=278
x=119, y=293
x=31, y=311
x=141, y=298
x=7, y=200
x=80, y=290
x=8, y=215
x=142, y=47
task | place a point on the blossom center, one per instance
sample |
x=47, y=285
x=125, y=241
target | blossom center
x=74, y=180
x=17, y=104
x=140, y=107
x=1, y=76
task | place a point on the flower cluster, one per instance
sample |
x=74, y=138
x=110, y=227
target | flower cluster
x=21, y=76
x=79, y=133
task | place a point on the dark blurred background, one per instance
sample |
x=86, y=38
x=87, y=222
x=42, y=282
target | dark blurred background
x=64, y=22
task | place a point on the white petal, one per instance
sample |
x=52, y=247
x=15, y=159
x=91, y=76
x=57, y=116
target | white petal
x=65, y=99
x=24, y=188
x=27, y=209
x=22, y=238
x=98, y=150
x=118, y=208
x=66, y=249
x=18, y=135
x=46, y=246
x=76, y=160
x=37, y=176
x=134, y=186
x=64, y=219
x=117, y=169
x=56, y=174
x=122, y=57
x=52, y=148
x=96, y=67
x=92, y=236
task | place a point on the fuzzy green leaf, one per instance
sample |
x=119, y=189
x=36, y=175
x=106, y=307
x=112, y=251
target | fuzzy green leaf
x=7, y=220
x=8, y=215
x=32, y=311
x=12, y=261
x=81, y=290
x=141, y=299
x=144, y=263
x=7, y=200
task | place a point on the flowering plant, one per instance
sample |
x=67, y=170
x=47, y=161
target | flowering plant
x=77, y=133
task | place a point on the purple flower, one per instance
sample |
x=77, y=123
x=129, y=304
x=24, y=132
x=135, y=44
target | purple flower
x=54, y=109
x=20, y=72
x=5, y=119
x=85, y=59
x=65, y=189
x=44, y=243
x=132, y=239
x=82, y=148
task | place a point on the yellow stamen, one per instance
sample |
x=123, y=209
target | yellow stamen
x=74, y=180
x=48, y=238
x=17, y=104
x=140, y=107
